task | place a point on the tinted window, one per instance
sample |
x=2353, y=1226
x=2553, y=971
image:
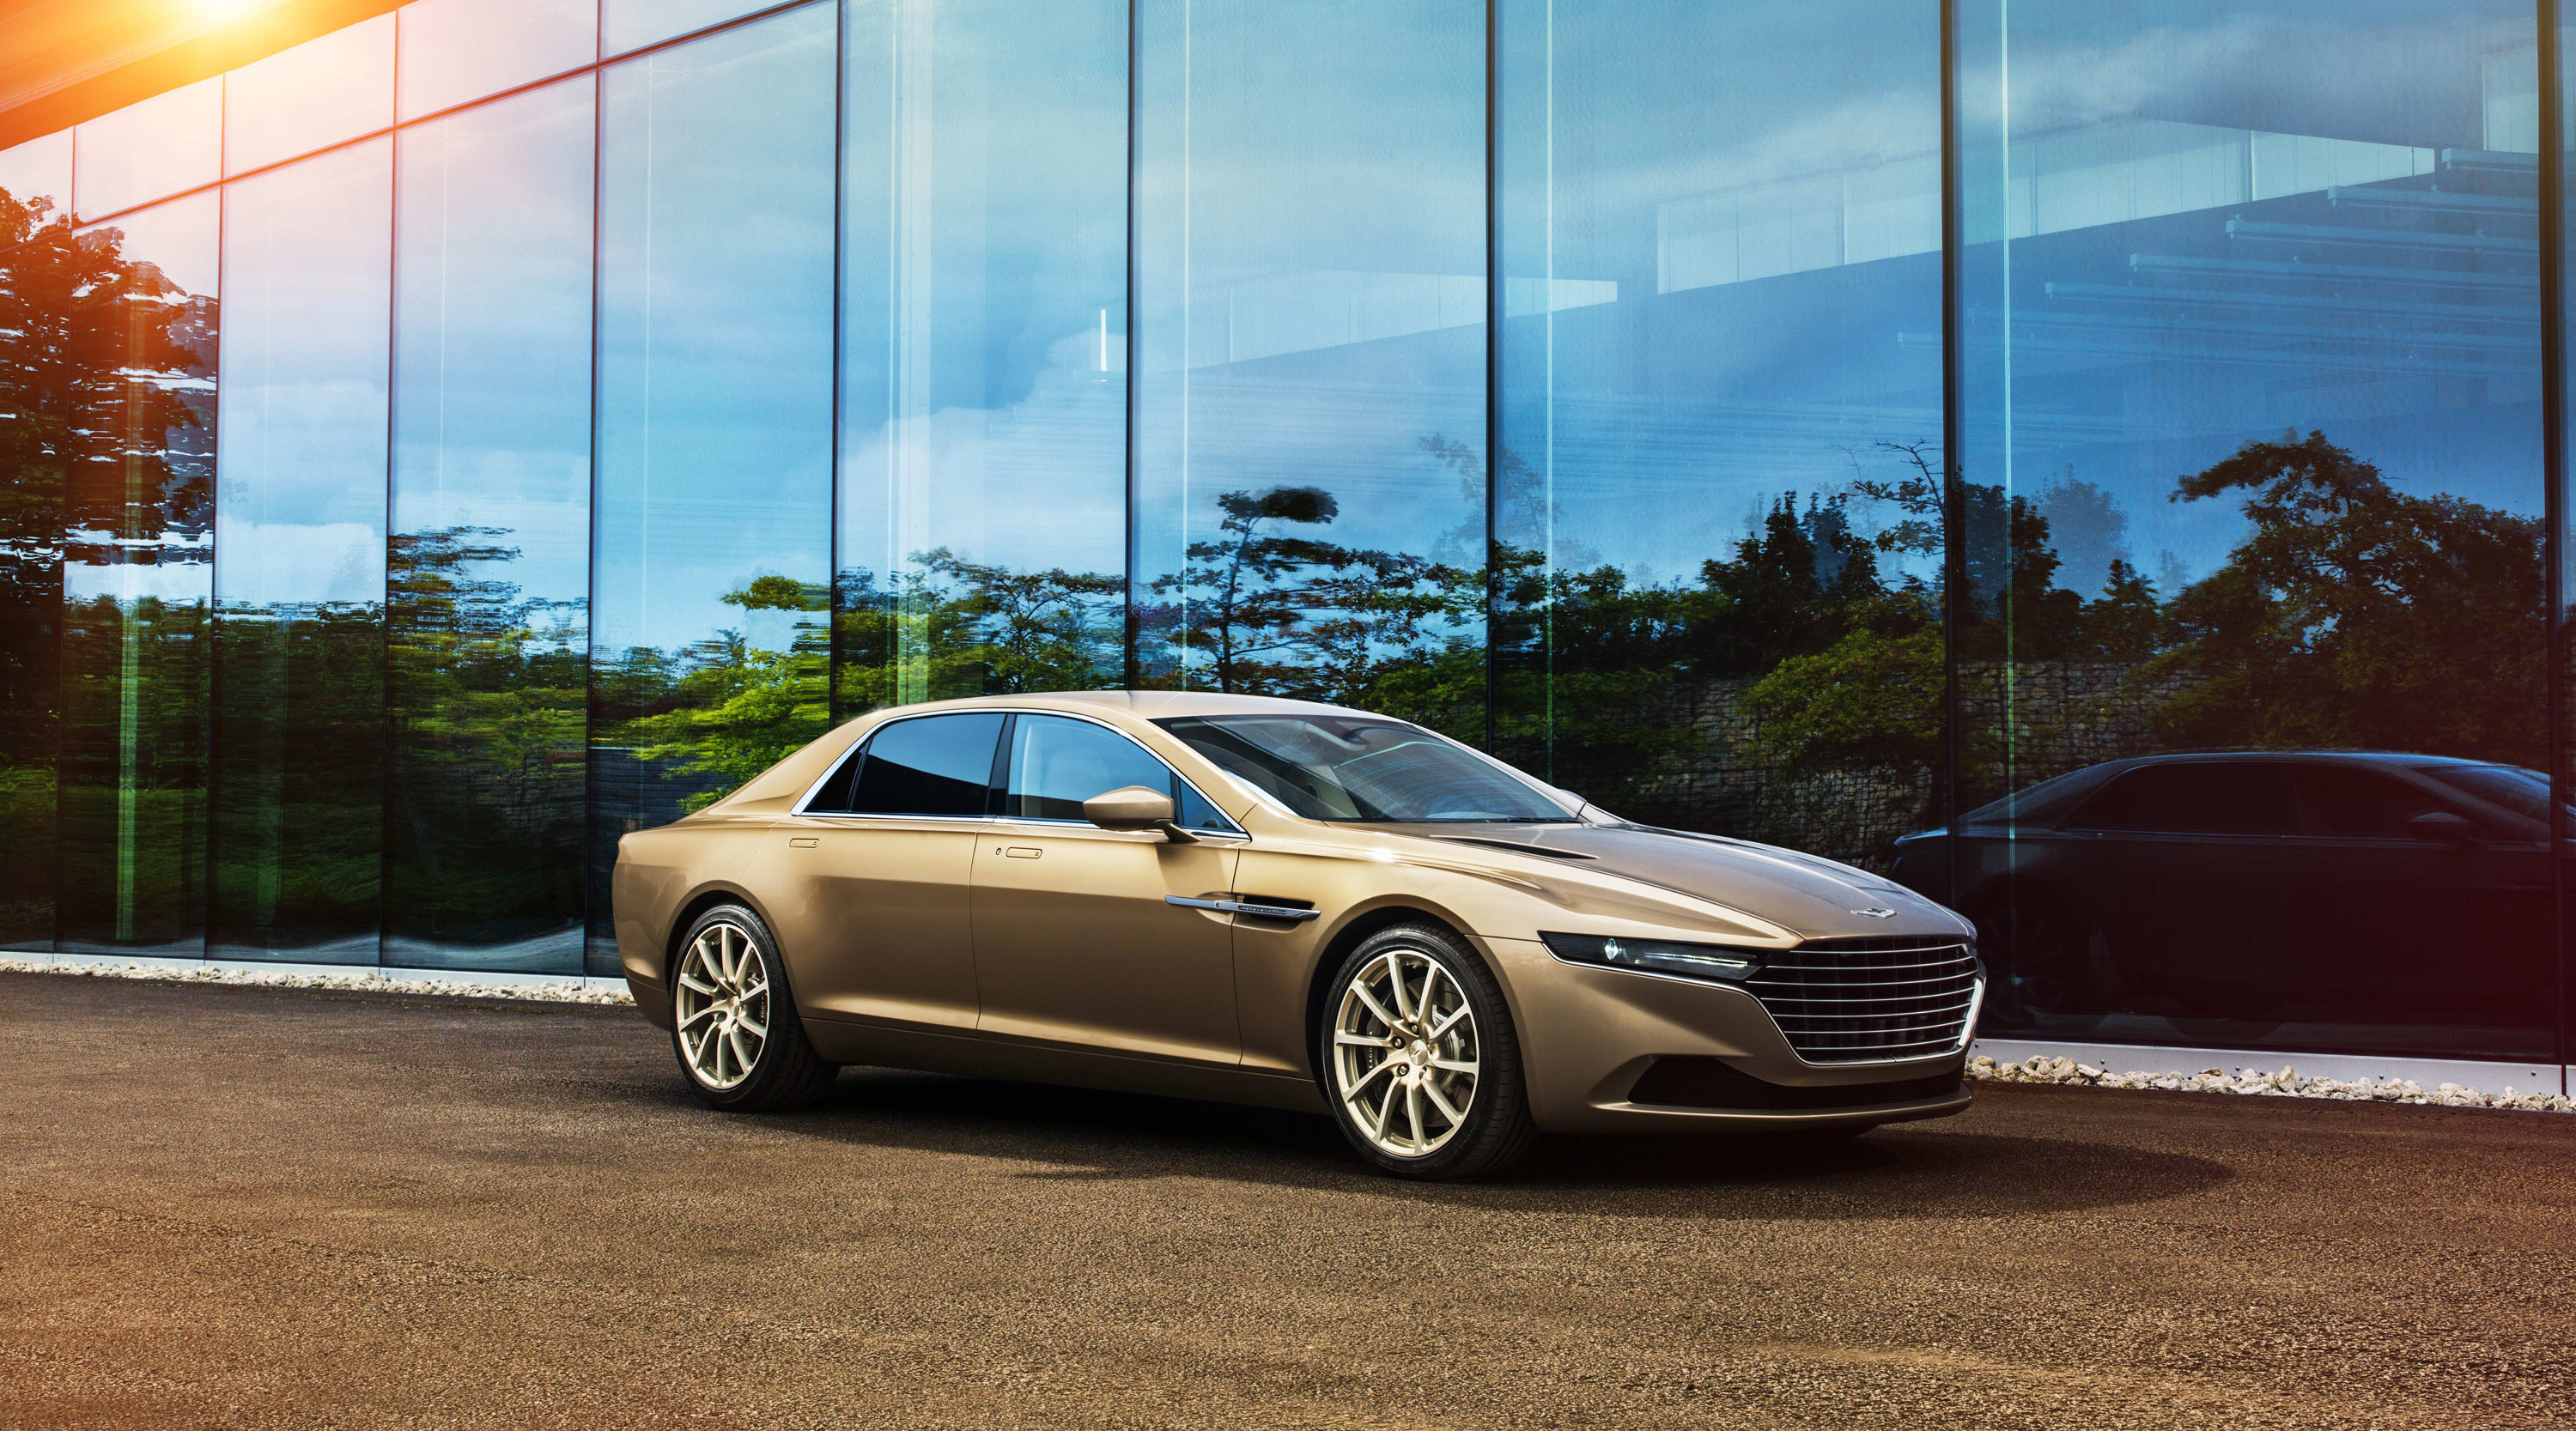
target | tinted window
x=934, y=765
x=2509, y=787
x=1056, y=764
x=2343, y=800
x=1334, y=768
x=2213, y=797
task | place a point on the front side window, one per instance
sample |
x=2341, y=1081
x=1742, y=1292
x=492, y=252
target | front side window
x=1058, y=763
x=2231, y=797
x=929, y=765
x=1360, y=769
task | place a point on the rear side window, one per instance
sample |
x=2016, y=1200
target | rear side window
x=1056, y=764
x=929, y=765
x=2216, y=797
x=2344, y=800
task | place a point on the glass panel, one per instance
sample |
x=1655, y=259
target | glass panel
x=1056, y=764
x=139, y=579
x=713, y=550
x=632, y=24
x=41, y=273
x=984, y=249
x=150, y=150
x=1717, y=525
x=40, y=169
x=453, y=51
x=488, y=587
x=937, y=765
x=1310, y=494
x=318, y=93
x=2250, y=437
x=300, y=579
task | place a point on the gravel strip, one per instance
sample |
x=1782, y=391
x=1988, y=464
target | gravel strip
x=2285, y=1084
x=568, y=992
x=2036, y=1069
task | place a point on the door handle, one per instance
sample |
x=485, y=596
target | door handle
x=1019, y=852
x=1237, y=906
x=803, y=842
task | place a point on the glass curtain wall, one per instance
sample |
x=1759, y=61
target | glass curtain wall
x=1718, y=540
x=138, y=581
x=488, y=579
x=2251, y=463
x=42, y=279
x=1309, y=444
x=299, y=799
x=711, y=542
x=982, y=517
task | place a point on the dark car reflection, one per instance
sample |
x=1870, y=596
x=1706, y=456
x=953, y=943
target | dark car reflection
x=2222, y=896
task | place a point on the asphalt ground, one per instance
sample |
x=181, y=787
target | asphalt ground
x=252, y=1208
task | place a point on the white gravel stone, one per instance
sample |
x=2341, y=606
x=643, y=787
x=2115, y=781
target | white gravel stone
x=570, y=991
x=2287, y=1083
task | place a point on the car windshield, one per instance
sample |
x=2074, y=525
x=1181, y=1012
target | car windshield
x=1355, y=768
x=2524, y=792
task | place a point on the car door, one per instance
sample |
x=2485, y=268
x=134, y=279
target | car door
x=869, y=881
x=1076, y=940
x=2188, y=882
x=2412, y=921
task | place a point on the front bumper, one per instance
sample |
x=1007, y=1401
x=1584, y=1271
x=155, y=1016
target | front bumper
x=1588, y=1034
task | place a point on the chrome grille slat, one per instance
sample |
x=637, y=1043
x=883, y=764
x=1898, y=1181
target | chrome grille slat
x=1870, y=999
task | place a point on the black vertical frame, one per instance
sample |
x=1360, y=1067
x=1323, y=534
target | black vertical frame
x=2553, y=457
x=1493, y=355
x=1954, y=561
x=1127, y=642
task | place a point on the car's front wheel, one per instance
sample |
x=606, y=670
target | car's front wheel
x=734, y=1022
x=1420, y=1060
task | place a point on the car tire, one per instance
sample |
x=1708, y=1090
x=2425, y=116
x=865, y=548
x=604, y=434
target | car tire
x=1413, y=1023
x=734, y=1025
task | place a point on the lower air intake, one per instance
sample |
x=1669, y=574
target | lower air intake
x=1715, y=1083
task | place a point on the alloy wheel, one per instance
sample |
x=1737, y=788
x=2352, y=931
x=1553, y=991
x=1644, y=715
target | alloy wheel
x=722, y=1004
x=1405, y=1055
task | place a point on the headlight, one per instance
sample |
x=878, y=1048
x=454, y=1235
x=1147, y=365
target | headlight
x=1656, y=956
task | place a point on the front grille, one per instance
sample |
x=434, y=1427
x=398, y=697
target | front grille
x=1870, y=1000
x=1715, y=1083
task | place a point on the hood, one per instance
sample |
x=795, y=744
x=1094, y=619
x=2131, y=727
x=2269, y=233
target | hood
x=1817, y=898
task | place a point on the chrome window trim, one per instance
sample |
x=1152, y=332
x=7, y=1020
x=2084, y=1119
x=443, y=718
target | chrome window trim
x=1233, y=830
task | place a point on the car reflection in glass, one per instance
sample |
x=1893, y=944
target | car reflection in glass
x=2226, y=894
x=1277, y=903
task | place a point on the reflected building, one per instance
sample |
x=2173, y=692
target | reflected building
x=440, y=444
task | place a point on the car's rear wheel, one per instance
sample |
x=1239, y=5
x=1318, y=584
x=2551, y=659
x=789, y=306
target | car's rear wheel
x=1420, y=1061
x=734, y=1023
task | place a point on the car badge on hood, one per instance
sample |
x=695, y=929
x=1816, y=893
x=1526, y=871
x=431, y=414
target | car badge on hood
x=1875, y=913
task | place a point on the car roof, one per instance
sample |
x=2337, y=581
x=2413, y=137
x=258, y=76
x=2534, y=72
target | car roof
x=2050, y=799
x=1144, y=705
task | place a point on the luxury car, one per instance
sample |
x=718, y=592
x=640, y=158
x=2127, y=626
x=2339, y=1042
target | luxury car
x=2231, y=891
x=1278, y=903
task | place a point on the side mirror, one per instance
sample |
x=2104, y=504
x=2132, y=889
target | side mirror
x=2441, y=825
x=1134, y=807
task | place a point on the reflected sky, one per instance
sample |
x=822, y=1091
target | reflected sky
x=300, y=484
x=2210, y=244
x=1310, y=244
x=492, y=333
x=715, y=331
x=984, y=307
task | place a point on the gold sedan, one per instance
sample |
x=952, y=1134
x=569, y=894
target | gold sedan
x=1279, y=903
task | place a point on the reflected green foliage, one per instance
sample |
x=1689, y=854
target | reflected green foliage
x=2354, y=614
x=41, y=270
x=105, y=436
x=487, y=702
x=299, y=767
